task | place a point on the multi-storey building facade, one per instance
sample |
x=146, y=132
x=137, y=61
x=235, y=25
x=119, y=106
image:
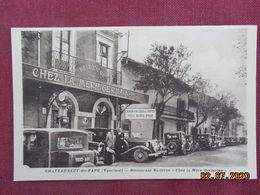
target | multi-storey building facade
x=176, y=113
x=72, y=79
x=236, y=128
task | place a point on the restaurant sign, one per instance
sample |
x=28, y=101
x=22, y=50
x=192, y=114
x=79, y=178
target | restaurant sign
x=137, y=113
x=66, y=79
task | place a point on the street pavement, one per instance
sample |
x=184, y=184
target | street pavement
x=229, y=156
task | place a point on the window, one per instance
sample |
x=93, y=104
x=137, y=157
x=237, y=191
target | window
x=103, y=53
x=126, y=127
x=105, y=50
x=64, y=45
x=181, y=126
x=180, y=105
x=63, y=51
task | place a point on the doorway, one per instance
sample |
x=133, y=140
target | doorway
x=102, y=116
x=160, y=130
x=63, y=111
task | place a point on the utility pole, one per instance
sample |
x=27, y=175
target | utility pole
x=128, y=37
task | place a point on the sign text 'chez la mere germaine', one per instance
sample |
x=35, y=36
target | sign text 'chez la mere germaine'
x=60, y=78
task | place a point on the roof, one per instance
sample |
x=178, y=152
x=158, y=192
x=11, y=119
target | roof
x=53, y=130
x=138, y=65
x=194, y=99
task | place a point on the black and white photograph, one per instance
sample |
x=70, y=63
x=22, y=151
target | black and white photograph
x=157, y=102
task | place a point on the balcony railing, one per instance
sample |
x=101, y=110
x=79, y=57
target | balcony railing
x=170, y=110
x=84, y=68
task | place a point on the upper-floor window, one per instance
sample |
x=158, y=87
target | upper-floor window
x=63, y=43
x=105, y=50
x=103, y=53
x=63, y=47
x=180, y=105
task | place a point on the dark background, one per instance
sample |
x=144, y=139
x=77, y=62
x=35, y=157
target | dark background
x=80, y=13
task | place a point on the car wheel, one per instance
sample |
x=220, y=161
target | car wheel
x=183, y=151
x=109, y=158
x=87, y=164
x=210, y=147
x=171, y=147
x=96, y=160
x=188, y=148
x=140, y=155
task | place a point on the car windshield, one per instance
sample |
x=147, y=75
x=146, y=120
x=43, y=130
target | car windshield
x=70, y=141
x=136, y=135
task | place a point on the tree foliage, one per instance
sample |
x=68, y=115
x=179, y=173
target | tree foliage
x=30, y=46
x=241, y=47
x=204, y=103
x=226, y=108
x=221, y=107
x=164, y=73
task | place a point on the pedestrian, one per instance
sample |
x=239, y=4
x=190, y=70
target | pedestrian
x=110, y=139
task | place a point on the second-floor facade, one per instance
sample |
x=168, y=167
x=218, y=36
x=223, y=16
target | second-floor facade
x=83, y=59
x=176, y=108
x=92, y=54
x=72, y=79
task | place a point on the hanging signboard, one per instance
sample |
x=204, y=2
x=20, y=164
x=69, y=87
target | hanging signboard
x=138, y=113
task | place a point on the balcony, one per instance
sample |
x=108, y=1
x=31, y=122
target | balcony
x=84, y=68
x=185, y=114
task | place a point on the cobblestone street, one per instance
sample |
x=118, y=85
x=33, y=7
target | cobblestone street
x=224, y=157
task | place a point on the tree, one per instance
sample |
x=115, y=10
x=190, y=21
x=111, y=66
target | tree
x=226, y=109
x=221, y=107
x=204, y=103
x=30, y=46
x=241, y=47
x=163, y=73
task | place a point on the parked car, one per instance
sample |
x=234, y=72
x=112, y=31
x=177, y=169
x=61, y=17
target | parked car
x=175, y=143
x=231, y=141
x=45, y=147
x=218, y=141
x=243, y=140
x=228, y=141
x=142, y=149
x=189, y=144
x=206, y=141
x=137, y=149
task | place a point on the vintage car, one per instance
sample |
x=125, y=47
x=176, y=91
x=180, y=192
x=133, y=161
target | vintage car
x=206, y=141
x=218, y=141
x=176, y=143
x=45, y=147
x=189, y=144
x=243, y=140
x=231, y=141
x=137, y=149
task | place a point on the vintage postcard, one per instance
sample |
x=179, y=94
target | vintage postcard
x=158, y=102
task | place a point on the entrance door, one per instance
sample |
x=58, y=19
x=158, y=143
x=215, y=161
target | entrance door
x=55, y=119
x=161, y=130
x=102, y=116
